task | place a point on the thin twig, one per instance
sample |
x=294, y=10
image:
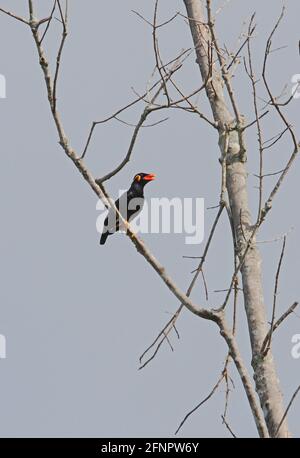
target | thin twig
x=18, y=18
x=269, y=174
x=258, y=125
x=290, y=310
x=252, y=123
x=269, y=202
x=214, y=389
x=268, y=343
x=277, y=138
x=227, y=426
x=64, y=19
x=154, y=124
x=157, y=53
x=49, y=22
x=287, y=410
x=170, y=324
x=172, y=70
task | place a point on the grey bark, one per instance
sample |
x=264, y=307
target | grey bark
x=232, y=146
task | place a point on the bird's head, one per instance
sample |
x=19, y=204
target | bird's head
x=141, y=179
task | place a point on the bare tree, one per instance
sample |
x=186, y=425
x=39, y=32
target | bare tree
x=217, y=66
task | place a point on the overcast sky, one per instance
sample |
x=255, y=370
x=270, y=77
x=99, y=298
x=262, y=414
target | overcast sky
x=76, y=316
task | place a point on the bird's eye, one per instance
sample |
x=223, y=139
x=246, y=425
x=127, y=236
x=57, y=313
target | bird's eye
x=138, y=178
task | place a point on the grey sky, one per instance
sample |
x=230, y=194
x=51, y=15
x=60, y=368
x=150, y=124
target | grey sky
x=76, y=316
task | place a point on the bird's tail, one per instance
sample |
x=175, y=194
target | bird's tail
x=104, y=237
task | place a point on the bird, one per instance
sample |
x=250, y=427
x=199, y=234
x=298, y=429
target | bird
x=129, y=204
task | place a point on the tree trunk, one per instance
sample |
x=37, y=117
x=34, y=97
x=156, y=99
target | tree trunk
x=231, y=145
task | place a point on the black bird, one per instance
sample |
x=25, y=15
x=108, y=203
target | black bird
x=129, y=205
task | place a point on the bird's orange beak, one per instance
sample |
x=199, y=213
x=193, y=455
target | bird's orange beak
x=149, y=177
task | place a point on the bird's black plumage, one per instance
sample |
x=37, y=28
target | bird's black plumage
x=129, y=205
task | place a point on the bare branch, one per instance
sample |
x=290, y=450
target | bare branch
x=211, y=393
x=287, y=410
x=269, y=202
x=193, y=107
x=222, y=62
x=145, y=125
x=64, y=19
x=268, y=174
x=149, y=107
x=278, y=323
x=157, y=53
x=250, y=33
x=252, y=123
x=243, y=373
x=227, y=426
x=267, y=346
x=30, y=7
x=171, y=323
x=142, y=17
x=49, y=22
x=168, y=21
x=18, y=18
x=277, y=138
x=259, y=130
x=126, y=159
